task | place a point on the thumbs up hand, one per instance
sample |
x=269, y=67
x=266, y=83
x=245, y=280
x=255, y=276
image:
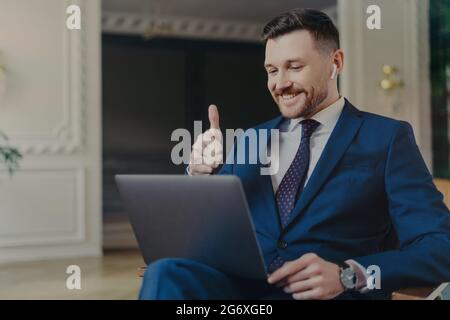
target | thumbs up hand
x=207, y=151
x=213, y=115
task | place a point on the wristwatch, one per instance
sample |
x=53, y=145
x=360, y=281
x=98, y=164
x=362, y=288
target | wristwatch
x=347, y=276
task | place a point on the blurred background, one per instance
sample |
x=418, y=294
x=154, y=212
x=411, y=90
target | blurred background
x=84, y=105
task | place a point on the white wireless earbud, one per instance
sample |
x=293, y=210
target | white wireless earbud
x=333, y=75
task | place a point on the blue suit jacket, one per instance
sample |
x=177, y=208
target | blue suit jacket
x=369, y=179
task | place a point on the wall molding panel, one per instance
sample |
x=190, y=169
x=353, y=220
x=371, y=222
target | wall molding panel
x=31, y=221
x=65, y=133
x=51, y=207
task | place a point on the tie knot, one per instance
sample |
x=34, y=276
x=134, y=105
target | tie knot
x=308, y=127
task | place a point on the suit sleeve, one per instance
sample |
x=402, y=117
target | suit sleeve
x=420, y=219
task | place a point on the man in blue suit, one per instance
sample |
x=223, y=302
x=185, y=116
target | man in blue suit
x=347, y=180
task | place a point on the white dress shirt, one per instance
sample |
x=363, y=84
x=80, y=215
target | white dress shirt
x=291, y=135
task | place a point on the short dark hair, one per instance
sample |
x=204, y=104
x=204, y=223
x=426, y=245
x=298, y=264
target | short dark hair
x=317, y=22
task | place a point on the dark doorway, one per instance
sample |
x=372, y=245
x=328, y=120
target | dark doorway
x=151, y=88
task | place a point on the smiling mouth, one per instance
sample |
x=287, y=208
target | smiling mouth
x=289, y=96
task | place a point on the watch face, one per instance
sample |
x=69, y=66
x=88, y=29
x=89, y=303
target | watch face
x=348, y=278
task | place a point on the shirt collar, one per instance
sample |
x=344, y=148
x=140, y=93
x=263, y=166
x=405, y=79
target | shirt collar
x=326, y=117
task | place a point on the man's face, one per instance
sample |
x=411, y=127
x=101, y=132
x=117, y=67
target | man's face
x=298, y=73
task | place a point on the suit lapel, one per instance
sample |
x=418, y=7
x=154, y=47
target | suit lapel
x=346, y=128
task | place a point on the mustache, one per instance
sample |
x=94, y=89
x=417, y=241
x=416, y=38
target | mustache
x=290, y=91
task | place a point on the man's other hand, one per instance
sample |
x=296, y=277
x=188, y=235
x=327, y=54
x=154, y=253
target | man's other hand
x=309, y=277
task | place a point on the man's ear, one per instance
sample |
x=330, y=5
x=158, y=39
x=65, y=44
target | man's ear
x=338, y=62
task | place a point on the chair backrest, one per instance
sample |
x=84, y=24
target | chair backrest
x=443, y=185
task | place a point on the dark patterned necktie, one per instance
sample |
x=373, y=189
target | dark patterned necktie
x=293, y=180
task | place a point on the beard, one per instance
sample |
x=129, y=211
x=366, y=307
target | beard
x=307, y=104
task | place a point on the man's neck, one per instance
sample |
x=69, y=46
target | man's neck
x=330, y=100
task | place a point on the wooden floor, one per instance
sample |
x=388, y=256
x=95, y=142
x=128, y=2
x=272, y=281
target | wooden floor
x=112, y=276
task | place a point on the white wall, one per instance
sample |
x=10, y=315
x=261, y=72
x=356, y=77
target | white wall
x=402, y=42
x=51, y=111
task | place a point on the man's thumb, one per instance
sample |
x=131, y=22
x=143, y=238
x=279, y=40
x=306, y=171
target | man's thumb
x=213, y=115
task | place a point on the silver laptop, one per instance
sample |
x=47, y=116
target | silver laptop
x=203, y=218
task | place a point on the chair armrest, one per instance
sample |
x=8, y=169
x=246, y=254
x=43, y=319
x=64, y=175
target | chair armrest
x=413, y=293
